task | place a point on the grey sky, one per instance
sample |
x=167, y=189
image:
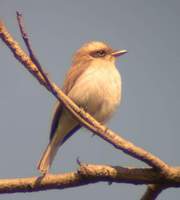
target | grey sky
x=148, y=116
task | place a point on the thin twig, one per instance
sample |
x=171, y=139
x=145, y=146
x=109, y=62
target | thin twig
x=83, y=117
x=30, y=50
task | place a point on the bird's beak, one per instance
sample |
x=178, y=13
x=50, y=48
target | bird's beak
x=118, y=53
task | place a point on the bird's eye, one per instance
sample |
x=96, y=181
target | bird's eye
x=100, y=53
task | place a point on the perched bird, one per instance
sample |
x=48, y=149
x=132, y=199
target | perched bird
x=93, y=83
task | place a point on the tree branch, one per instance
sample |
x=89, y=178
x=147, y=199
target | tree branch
x=153, y=191
x=86, y=174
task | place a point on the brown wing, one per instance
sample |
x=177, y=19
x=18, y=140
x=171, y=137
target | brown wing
x=55, y=119
x=72, y=76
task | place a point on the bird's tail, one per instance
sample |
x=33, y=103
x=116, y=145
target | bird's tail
x=48, y=156
x=66, y=126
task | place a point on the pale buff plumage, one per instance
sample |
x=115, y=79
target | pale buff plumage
x=94, y=83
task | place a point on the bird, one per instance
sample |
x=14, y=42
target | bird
x=94, y=84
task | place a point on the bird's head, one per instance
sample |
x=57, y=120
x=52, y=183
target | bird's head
x=96, y=51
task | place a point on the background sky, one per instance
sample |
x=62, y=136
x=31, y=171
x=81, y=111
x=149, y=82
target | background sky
x=148, y=116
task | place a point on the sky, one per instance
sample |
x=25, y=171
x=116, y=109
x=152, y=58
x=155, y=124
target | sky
x=150, y=110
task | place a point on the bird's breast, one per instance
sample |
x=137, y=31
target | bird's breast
x=98, y=90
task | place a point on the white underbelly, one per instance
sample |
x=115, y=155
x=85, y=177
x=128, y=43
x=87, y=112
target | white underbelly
x=98, y=91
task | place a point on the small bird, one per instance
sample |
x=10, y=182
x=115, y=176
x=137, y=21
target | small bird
x=94, y=84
